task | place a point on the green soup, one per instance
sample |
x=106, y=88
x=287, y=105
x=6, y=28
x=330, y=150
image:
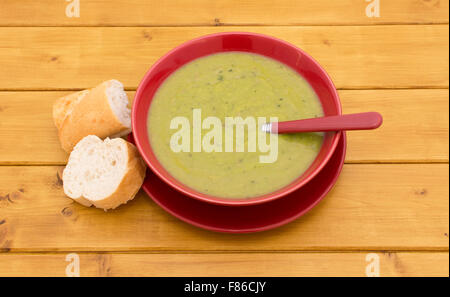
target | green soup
x=235, y=84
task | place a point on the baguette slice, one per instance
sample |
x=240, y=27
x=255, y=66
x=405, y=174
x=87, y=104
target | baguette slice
x=103, y=173
x=102, y=111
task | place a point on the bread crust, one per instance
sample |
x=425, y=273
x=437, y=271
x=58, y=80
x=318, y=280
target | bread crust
x=64, y=106
x=92, y=115
x=128, y=186
x=83, y=201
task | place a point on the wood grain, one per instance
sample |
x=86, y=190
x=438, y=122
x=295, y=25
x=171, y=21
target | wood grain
x=396, y=64
x=368, y=57
x=219, y=12
x=415, y=127
x=237, y=265
x=387, y=207
x=411, y=118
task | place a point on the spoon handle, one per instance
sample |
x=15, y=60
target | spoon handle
x=357, y=121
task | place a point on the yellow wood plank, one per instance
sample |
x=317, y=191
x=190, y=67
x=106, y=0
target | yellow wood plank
x=220, y=12
x=385, y=207
x=415, y=126
x=237, y=265
x=413, y=118
x=355, y=56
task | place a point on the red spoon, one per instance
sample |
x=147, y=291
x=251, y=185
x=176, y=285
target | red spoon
x=357, y=121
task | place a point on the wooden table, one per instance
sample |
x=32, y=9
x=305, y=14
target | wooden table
x=391, y=200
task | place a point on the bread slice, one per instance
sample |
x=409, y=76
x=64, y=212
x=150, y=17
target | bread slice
x=102, y=111
x=81, y=200
x=103, y=173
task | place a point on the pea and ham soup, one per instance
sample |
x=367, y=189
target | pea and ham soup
x=235, y=84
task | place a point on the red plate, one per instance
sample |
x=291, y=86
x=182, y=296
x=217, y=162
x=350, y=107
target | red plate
x=252, y=218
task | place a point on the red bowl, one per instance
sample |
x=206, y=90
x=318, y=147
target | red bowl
x=264, y=45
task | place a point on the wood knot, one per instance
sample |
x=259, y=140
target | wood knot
x=422, y=192
x=5, y=198
x=104, y=264
x=217, y=22
x=58, y=183
x=10, y=197
x=67, y=211
x=146, y=35
x=435, y=3
x=5, y=243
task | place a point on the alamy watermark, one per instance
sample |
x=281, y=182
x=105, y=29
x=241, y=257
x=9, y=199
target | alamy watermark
x=73, y=9
x=73, y=268
x=220, y=138
x=373, y=9
x=373, y=266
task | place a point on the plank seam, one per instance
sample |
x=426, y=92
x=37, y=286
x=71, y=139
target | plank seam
x=212, y=25
x=163, y=252
x=381, y=162
x=133, y=89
